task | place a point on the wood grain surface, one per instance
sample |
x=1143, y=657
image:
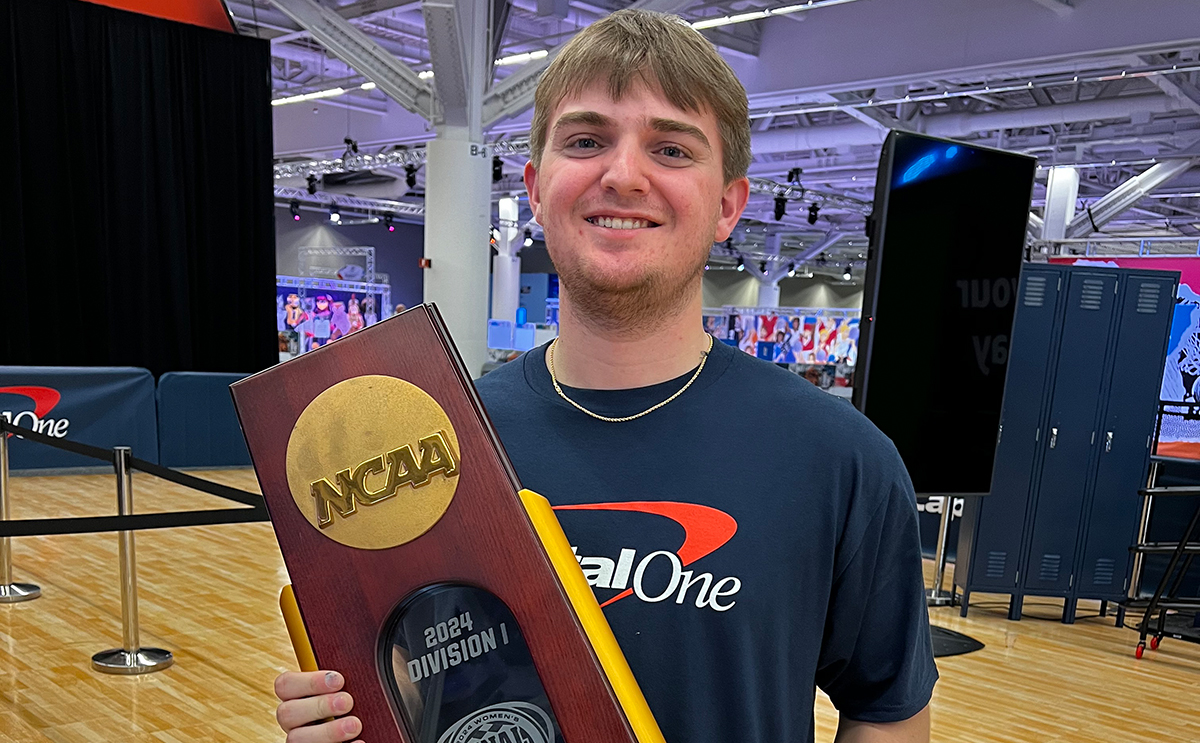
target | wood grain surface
x=484, y=539
x=209, y=595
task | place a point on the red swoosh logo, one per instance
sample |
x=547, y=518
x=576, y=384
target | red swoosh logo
x=44, y=398
x=705, y=529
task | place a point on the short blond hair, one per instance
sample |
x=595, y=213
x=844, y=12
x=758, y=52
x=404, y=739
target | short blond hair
x=660, y=50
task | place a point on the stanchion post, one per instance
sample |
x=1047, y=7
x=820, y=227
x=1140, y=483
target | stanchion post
x=131, y=658
x=936, y=596
x=10, y=593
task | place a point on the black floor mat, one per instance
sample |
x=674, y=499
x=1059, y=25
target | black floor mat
x=947, y=642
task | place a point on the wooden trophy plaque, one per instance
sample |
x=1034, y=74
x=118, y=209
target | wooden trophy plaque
x=417, y=570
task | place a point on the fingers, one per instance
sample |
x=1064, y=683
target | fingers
x=296, y=685
x=297, y=712
x=333, y=731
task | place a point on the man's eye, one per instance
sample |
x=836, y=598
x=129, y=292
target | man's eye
x=673, y=152
x=585, y=143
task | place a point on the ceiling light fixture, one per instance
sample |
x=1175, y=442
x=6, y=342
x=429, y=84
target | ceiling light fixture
x=528, y=238
x=766, y=13
x=294, y=207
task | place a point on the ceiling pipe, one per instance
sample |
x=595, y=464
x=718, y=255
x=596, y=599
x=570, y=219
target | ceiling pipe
x=961, y=125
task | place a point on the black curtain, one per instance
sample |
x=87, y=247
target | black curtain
x=136, y=197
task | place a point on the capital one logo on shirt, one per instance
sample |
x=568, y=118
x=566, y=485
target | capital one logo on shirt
x=44, y=400
x=660, y=575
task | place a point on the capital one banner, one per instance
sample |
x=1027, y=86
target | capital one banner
x=101, y=406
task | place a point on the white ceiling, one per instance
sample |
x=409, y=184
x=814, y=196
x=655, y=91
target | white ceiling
x=1088, y=82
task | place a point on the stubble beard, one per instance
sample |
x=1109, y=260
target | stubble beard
x=627, y=308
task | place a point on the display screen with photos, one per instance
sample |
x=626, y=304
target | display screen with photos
x=311, y=313
x=947, y=242
x=791, y=335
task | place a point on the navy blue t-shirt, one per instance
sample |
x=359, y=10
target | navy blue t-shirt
x=752, y=538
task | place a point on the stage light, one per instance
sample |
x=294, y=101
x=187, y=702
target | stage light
x=791, y=270
x=410, y=175
x=387, y=222
x=312, y=184
x=780, y=207
x=497, y=169
x=741, y=266
x=528, y=237
x=762, y=267
x=847, y=275
x=294, y=207
x=335, y=215
x=793, y=175
x=705, y=266
x=813, y=212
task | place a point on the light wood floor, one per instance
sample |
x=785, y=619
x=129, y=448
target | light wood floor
x=208, y=594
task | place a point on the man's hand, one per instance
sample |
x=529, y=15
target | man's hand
x=306, y=698
x=913, y=730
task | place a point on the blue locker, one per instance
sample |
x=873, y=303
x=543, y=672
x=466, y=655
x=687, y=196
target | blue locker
x=1079, y=407
x=990, y=553
x=1124, y=439
x=1069, y=443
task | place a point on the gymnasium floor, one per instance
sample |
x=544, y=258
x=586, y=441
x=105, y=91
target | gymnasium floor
x=209, y=595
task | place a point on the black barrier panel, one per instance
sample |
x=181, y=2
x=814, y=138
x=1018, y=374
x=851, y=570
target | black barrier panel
x=197, y=425
x=87, y=524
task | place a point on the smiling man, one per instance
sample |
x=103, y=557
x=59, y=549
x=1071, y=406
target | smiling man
x=734, y=590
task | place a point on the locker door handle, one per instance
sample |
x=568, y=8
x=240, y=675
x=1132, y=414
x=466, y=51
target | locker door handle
x=1108, y=441
x=1053, y=437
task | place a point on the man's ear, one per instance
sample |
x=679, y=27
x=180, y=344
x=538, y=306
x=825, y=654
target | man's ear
x=531, y=186
x=733, y=203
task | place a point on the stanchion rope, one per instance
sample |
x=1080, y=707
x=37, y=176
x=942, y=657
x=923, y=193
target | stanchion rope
x=88, y=524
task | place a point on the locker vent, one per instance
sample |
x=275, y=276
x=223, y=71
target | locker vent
x=1035, y=291
x=1104, y=572
x=1147, y=300
x=1093, y=294
x=1050, y=566
x=995, y=564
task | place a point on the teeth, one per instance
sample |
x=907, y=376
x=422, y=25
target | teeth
x=617, y=223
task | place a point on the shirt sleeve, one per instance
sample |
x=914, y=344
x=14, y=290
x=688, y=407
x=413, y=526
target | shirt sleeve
x=876, y=661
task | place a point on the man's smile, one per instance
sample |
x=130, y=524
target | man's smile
x=621, y=223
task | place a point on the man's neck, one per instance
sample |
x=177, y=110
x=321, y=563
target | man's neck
x=587, y=357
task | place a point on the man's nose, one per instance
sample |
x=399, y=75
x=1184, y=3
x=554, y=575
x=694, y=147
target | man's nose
x=626, y=171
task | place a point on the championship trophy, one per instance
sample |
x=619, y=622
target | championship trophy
x=448, y=598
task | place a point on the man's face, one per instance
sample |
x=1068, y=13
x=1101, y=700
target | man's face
x=631, y=194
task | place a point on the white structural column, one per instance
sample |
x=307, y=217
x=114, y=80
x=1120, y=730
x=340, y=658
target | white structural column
x=768, y=283
x=458, y=177
x=768, y=293
x=1062, y=190
x=506, y=265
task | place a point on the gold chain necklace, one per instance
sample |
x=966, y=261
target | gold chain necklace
x=597, y=416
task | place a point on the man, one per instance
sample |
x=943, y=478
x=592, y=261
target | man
x=732, y=588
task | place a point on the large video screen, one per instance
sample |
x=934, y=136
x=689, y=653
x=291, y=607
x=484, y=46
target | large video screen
x=947, y=241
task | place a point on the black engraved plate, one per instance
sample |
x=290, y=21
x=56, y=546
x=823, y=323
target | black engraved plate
x=458, y=670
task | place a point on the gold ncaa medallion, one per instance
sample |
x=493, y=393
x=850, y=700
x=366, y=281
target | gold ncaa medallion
x=373, y=462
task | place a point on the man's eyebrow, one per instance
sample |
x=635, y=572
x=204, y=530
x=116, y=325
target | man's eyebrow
x=584, y=118
x=669, y=126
